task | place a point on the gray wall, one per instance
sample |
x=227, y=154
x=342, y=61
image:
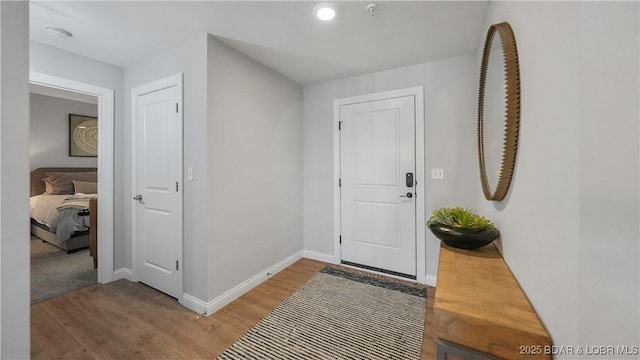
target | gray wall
x=242, y=130
x=254, y=167
x=49, y=60
x=14, y=180
x=49, y=131
x=191, y=60
x=570, y=222
x=449, y=90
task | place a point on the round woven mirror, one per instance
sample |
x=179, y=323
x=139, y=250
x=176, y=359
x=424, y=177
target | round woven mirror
x=498, y=111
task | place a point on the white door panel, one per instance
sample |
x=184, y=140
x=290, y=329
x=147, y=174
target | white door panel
x=386, y=216
x=377, y=140
x=158, y=174
x=376, y=155
x=156, y=224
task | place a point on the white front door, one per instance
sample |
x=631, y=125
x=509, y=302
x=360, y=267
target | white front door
x=377, y=175
x=158, y=187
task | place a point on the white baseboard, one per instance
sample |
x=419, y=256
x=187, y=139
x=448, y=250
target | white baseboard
x=313, y=255
x=123, y=273
x=194, y=304
x=207, y=308
x=430, y=280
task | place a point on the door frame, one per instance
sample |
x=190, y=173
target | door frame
x=106, y=117
x=418, y=94
x=175, y=80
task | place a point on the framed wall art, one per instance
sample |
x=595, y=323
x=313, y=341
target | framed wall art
x=83, y=135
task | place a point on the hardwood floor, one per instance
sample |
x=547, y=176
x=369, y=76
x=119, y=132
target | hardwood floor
x=125, y=320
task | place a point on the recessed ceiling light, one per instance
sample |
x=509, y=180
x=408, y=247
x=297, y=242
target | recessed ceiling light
x=325, y=11
x=58, y=32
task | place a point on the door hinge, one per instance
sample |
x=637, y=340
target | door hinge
x=339, y=125
x=340, y=182
x=340, y=239
x=177, y=267
x=176, y=107
x=176, y=186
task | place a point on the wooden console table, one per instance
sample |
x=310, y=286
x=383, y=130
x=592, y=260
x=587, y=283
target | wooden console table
x=480, y=311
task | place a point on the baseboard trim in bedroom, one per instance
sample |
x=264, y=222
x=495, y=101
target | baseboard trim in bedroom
x=207, y=308
x=123, y=273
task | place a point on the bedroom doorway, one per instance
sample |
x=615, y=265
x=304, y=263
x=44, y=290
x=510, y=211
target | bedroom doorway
x=63, y=257
x=105, y=192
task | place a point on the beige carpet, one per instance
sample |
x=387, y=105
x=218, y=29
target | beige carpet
x=340, y=315
x=55, y=273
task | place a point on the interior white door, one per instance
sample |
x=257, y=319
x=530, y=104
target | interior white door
x=378, y=198
x=158, y=189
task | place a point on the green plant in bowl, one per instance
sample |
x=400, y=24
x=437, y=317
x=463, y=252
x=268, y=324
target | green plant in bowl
x=462, y=228
x=459, y=217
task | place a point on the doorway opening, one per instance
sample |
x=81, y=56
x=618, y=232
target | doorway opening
x=105, y=192
x=63, y=257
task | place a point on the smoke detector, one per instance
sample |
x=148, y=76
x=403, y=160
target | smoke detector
x=58, y=32
x=371, y=8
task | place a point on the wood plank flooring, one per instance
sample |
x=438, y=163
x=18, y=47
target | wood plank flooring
x=125, y=320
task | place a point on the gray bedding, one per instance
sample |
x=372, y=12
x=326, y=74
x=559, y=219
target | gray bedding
x=61, y=213
x=68, y=222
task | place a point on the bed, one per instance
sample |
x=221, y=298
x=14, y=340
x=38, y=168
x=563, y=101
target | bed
x=59, y=213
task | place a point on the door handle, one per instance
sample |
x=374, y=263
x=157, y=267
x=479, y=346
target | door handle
x=138, y=197
x=409, y=195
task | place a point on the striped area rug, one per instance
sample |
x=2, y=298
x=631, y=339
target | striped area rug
x=340, y=314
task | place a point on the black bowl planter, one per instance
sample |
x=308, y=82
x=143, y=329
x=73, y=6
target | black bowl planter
x=463, y=238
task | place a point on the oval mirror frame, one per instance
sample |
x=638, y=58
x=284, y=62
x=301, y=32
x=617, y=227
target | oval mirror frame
x=512, y=110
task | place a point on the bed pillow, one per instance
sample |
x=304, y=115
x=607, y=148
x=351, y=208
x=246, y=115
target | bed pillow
x=61, y=183
x=85, y=187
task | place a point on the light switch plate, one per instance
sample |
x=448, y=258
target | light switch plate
x=437, y=174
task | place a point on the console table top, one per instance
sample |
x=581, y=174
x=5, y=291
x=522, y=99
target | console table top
x=479, y=304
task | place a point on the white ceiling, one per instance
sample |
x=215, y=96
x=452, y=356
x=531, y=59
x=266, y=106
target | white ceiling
x=283, y=35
